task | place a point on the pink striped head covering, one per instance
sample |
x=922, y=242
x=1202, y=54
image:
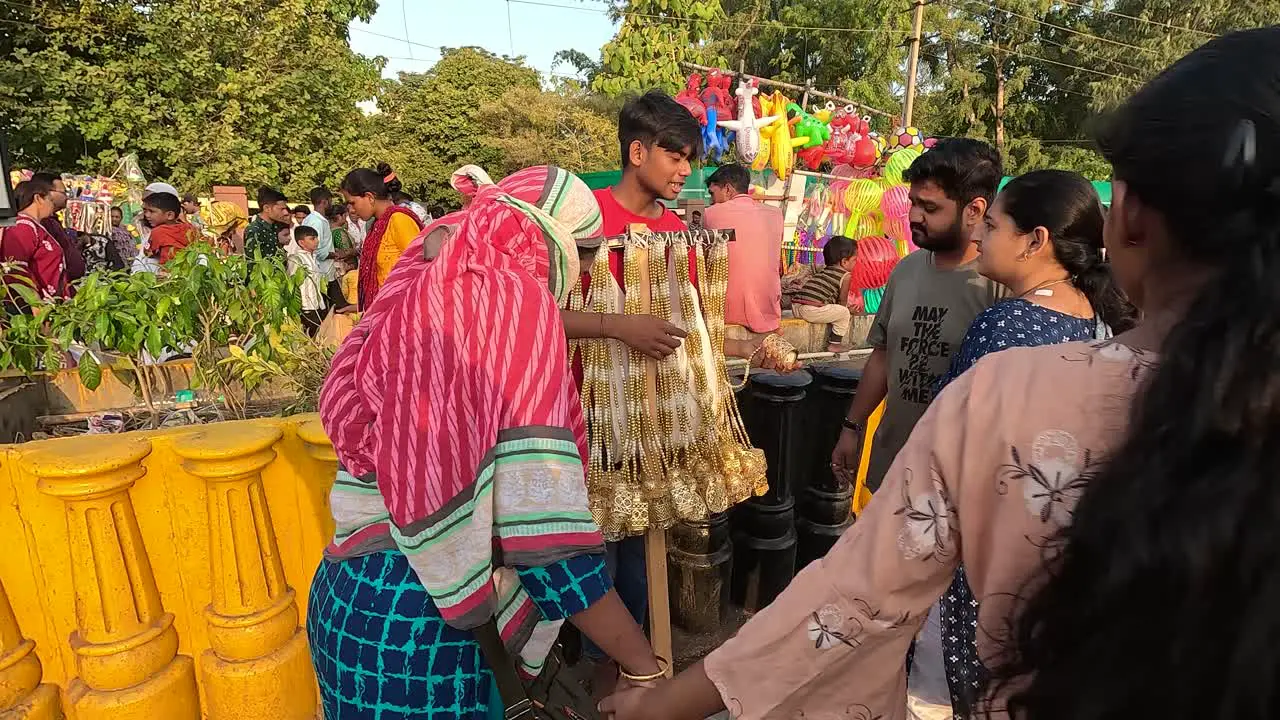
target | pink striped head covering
x=456, y=367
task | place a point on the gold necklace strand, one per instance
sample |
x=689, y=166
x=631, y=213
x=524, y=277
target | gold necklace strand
x=610, y=493
x=657, y=487
x=684, y=499
x=743, y=465
x=660, y=307
x=705, y=465
x=644, y=456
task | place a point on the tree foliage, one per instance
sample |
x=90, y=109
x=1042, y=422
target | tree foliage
x=429, y=123
x=528, y=126
x=236, y=91
x=654, y=38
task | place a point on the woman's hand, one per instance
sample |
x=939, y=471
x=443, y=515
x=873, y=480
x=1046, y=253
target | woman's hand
x=626, y=704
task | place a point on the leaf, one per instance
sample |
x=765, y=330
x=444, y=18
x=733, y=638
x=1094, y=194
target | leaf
x=155, y=345
x=90, y=371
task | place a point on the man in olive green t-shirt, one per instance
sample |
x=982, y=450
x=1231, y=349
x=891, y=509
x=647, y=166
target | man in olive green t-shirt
x=931, y=298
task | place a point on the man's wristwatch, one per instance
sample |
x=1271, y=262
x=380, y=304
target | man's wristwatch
x=854, y=426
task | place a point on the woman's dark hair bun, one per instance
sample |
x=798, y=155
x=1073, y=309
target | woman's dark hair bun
x=393, y=186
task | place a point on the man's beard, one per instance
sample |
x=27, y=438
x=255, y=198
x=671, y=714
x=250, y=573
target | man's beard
x=948, y=241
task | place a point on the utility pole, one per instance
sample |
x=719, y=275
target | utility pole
x=913, y=61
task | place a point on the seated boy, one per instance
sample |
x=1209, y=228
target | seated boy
x=300, y=253
x=822, y=298
x=169, y=234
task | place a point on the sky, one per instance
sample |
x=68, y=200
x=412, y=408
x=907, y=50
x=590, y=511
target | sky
x=535, y=30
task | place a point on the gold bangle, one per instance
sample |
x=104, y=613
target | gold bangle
x=663, y=666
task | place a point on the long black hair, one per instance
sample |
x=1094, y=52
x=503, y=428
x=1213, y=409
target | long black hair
x=1066, y=204
x=1165, y=600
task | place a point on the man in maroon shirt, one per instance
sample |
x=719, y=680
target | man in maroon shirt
x=73, y=259
x=27, y=242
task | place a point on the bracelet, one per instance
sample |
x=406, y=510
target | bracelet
x=853, y=425
x=663, y=666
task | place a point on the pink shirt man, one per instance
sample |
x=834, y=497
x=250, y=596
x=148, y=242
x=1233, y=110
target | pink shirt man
x=755, y=259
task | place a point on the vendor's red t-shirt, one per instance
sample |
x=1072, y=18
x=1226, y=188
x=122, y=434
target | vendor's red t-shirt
x=616, y=219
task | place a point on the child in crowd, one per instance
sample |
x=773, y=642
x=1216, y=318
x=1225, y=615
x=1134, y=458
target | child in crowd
x=169, y=234
x=823, y=297
x=300, y=254
x=300, y=213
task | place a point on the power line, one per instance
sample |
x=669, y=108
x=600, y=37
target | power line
x=1054, y=43
x=1157, y=23
x=994, y=6
x=404, y=14
x=739, y=23
x=389, y=37
x=1040, y=59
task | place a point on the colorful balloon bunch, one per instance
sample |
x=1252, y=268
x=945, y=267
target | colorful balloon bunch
x=773, y=131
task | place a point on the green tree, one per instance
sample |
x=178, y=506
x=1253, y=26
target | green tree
x=654, y=38
x=863, y=61
x=529, y=126
x=429, y=123
x=239, y=91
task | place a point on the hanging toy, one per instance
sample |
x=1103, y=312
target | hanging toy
x=898, y=163
x=690, y=100
x=747, y=126
x=782, y=150
x=907, y=138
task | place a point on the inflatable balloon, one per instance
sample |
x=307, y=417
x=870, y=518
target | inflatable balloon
x=689, y=99
x=805, y=125
x=896, y=202
x=882, y=145
x=812, y=157
x=825, y=112
x=862, y=197
x=907, y=137
x=930, y=142
x=747, y=126
x=898, y=163
x=713, y=140
x=781, y=144
x=864, y=153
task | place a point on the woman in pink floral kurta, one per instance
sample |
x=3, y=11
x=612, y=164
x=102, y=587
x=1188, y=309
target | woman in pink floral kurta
x=1164, y=602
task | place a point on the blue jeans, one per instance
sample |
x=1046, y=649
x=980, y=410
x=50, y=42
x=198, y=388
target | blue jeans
x=625, y=560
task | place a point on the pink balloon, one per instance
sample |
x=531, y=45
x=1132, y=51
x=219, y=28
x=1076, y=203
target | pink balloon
x=895, y=202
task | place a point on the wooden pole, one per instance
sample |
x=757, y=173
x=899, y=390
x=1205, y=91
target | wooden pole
x=655, y=540
x=913, y=61
x=789, y=86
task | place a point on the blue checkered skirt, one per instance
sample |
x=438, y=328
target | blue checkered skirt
x=381, y=650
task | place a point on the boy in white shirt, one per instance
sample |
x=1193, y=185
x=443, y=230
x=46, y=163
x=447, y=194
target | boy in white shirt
x=301, y=256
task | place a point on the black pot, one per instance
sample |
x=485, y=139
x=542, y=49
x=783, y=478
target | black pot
x=827, y=405
x=699, y=571
x=762, y=569
x=775, y=423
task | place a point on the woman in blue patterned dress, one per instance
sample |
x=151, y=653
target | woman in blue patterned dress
x=1043, y=241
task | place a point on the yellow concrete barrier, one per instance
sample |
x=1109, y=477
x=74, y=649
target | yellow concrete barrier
x=126, y=556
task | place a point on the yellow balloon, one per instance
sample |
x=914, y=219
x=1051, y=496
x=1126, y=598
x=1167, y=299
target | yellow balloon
x=898, y=163
x=862, y=196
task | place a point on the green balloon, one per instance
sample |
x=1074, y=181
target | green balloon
x=898, y=163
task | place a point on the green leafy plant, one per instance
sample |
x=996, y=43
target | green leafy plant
x=201, y=302
x=297, y=362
